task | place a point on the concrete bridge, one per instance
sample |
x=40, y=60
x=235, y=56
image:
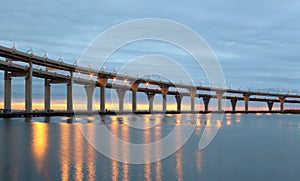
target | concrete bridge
x=12, y=69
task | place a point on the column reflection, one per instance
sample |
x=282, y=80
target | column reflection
x=39, y=148
x=178, y=153
x=114, y=149
x=157, y=131
x=126, y=152
x=65, y=151
x=147, y=156
x=78, y=153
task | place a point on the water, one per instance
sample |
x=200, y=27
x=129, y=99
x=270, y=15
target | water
x=247, y=147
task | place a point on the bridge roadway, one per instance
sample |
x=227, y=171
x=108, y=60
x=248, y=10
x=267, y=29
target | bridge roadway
x=12, y=69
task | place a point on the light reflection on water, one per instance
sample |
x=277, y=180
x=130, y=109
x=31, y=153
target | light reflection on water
x=51, y=149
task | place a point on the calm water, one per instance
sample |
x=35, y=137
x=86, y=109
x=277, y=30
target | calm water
x=247, y=147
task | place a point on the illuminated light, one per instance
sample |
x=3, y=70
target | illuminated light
x=147, y=83
x=199, y=123
x=114, y=79
x=259, y=114
x=91, y=74
x=125, y=80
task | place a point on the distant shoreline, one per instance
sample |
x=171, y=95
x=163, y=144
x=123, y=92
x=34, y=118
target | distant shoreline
x=89, y=113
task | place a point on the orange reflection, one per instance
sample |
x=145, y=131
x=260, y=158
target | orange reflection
x=64, y=151
x=198, y=160
x=238, y=118
x=39, y=145
x=78, y=151
x=126, y=152
x=228, y=122
x=158, y=152
x=219, y=123
x=114, y=149
x=179, y=156
x=147, y=156
x=91, y=157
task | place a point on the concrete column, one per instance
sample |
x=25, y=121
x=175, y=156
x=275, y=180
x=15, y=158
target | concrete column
x=28, y=89
x=150, y=96
x=192, y=95
x=178, y=101
x=121, y=95
x=70, y=93
x=164, y=91
x=7, y=91
x=281, y=99
x=233, y=102
x=270, y=105
x=246, y=100
x=47, y=99
x=219, y=96
x=134, y=88
x=102, y=82
x=206, y=102
x=89, y=90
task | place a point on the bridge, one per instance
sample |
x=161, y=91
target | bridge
x=12, y=69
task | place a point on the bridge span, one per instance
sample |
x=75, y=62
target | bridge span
x=10, y=57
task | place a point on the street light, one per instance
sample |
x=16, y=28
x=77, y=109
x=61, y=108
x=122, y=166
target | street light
x=76, y=62
x=30, y=50
x=45, y=53
x=259, y=89
x=60, y=59
x=102, y=68
x=14, y=45
x=279, y=91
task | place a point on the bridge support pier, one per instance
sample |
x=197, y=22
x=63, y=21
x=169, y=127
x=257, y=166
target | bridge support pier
x=192, y=95
x=134, y=88
x=47, y=95
x=70, y=96
x=219, y=96
x=150, y=96
x=7, y=91
x=164, y=91
x=206, y=102
x=121, y=95
x=28, y=89
x=270, y=105
x=281, y=100
x=246, y=100
x=89, y=90
x=233, y=102
x=102, y=82
x=178, y=101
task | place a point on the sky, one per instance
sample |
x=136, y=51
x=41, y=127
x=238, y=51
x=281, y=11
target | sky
x=256, y=42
